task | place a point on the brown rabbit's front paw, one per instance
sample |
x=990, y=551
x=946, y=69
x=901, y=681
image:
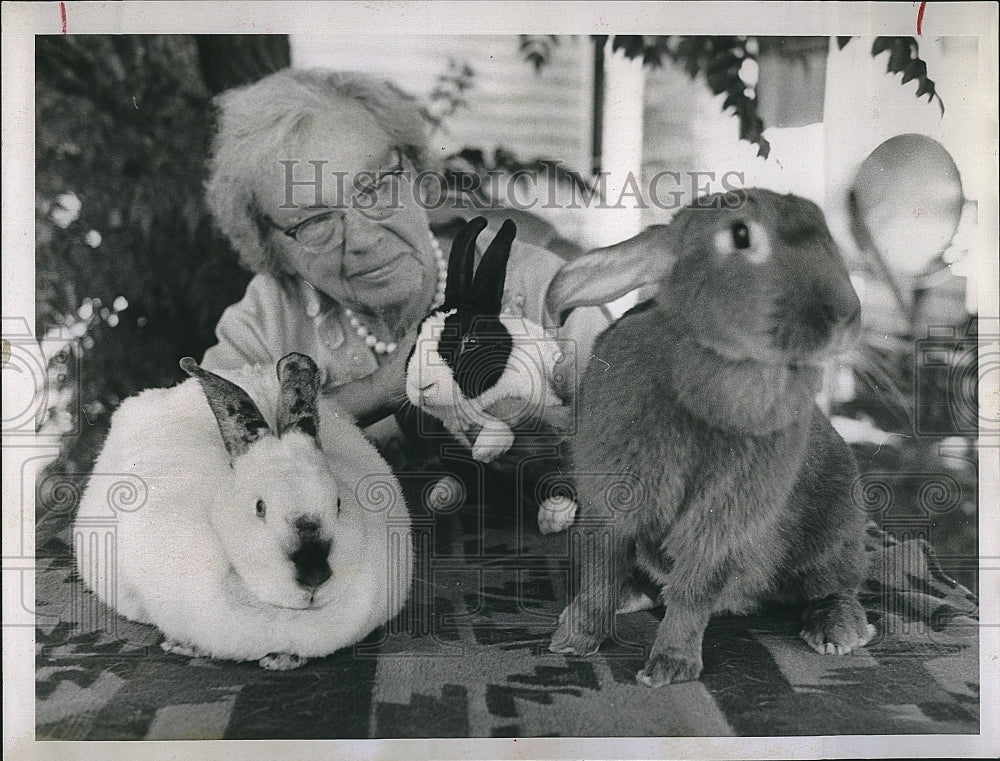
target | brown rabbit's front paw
x=282, y=661
x=669, y=669
x=568, y=641
x=836, y=625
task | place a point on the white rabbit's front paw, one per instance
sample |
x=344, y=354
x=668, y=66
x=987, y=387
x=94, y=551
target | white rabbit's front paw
x=282, y=661
x=179, y=648
x=495, y=439
x=556, y=514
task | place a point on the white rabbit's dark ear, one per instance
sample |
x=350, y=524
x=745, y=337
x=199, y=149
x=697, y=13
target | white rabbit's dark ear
x=486, y=293
x=461, y=262
x=240, y=422
x=606, y=274
x=299, y=379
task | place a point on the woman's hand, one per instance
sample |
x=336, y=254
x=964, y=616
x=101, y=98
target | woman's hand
x=379, y=395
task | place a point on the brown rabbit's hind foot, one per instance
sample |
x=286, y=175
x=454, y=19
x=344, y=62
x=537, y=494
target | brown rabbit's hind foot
x=836, y=625
x=664, y=668
x=282, y=661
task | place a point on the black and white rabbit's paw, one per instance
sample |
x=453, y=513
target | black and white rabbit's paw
x=446, y=494
x=670, y=668
x=282, y=661
x=493, y=440
x=836, y=625
x=556, y=514
x=176, y=647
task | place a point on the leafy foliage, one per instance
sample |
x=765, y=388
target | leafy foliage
x=537, y=48
x=720, y=59
x=904, y=58
x=469, y=170
x=448, y=96
x=133, y=271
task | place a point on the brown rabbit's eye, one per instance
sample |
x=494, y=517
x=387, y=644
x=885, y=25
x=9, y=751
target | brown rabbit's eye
x=261, y=508
x=338, y=505
x=741, y=235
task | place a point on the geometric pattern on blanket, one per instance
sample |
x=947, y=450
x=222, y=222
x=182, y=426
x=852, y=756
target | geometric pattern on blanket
x=468, y=656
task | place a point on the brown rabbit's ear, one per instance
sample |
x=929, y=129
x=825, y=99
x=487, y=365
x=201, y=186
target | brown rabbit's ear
x=606, y=274
x=240, y=422
x=299, y=379
x=461, y=262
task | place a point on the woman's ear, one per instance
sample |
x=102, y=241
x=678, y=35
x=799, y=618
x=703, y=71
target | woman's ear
x=606, y=274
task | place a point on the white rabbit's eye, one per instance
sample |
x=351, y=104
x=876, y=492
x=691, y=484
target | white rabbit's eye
x=741, y=235
x=261, y=508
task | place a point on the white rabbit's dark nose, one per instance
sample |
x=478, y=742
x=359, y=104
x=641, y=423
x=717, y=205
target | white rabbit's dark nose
x=307, y=525
x=312, y=567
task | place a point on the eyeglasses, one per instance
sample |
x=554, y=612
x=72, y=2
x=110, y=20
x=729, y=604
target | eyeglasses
x=375, y=199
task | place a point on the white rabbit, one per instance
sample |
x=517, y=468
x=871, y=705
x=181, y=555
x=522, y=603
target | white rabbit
x=262, y=544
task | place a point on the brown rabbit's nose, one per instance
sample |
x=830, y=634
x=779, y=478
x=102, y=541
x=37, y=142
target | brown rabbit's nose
x=854, y=317
x=835, y=302
x=835, y=314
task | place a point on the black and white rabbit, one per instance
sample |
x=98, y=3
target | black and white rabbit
x=468, y=355
x=704, y=397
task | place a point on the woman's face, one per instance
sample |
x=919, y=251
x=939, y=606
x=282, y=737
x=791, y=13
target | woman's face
x=374, y=251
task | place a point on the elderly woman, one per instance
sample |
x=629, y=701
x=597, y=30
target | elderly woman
x=312, y=180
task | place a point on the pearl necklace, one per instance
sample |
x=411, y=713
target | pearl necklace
x=372, y=341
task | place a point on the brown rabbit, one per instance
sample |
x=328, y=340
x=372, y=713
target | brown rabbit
x=703, y=398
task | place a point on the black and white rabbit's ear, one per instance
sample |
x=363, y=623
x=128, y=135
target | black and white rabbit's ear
x=461, y=262
x=299, y=386
x=605, y=274
x=240, y=422
x=486, y=293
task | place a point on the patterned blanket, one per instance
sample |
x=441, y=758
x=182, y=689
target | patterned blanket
x=468, y=656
